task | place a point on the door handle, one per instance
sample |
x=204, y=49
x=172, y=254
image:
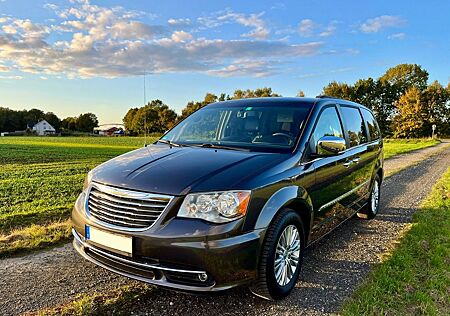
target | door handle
x=356, y=160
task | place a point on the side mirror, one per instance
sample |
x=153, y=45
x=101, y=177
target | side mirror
x=330, y=146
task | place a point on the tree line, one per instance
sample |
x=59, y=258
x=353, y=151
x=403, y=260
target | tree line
x=157, y=117
x=403, y=102
x=12, y=120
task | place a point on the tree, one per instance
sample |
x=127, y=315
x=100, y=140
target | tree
x=33, y=115
x=192, y=106
x=382, y=94
x=69, y=123
x=412, y=115
x=339, y=90
x=155, y=117
x=86, y=122
x=257, y=93
x=405, y=76
x=436, y=99
x=11, y=120
x=128, y=121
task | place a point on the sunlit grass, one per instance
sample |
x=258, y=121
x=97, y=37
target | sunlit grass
x=116, y=302
x=415, y=279
x=40, y=179
x=394, y=147
x=34, y=237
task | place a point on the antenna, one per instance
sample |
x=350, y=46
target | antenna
x=145, y=114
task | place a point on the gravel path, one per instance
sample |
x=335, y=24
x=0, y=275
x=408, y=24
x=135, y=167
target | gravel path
x=400, y=162
x=332, y=268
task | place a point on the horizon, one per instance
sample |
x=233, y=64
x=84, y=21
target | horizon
x=73, y=57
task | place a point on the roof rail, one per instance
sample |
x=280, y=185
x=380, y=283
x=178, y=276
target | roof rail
x=325, y=97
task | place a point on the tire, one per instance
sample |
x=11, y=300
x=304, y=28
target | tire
x=267, y=285
x=372, y=207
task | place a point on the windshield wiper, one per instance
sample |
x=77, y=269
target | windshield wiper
x=211, y=145
x=168, y=142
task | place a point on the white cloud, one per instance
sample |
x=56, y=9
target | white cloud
x=397, y=36
x=43, y=78
x=309, y=28
x=306, y=27
x=329, y=30
x=381, y=22
x=88, y=40
x=179, y=22
x=181, y=36
x=247, y=67
x=259, y=30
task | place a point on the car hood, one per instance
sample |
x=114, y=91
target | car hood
x=169, y=170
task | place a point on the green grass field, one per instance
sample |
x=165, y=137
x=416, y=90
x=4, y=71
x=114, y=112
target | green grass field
x=415, y=279
x=394, y=147
x=40, y=178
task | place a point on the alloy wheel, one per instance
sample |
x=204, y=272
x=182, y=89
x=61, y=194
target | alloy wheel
x=287, y=255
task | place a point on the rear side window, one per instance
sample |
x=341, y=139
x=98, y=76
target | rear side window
x=374, y=130
x=355, y=125
x=328, y=124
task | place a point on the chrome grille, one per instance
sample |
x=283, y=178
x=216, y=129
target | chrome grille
x=131, y=210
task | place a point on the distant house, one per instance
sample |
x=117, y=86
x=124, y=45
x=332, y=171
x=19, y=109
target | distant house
x=42, y=128
x=112, y=131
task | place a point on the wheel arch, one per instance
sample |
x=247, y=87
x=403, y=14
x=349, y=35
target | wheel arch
x=292, y=197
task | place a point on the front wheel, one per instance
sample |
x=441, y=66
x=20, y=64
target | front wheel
x=281, y=257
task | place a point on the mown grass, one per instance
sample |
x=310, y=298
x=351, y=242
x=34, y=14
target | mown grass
x=394, y=147
x=415, y=279
x=34, y=237
x=40, y=179
x=116, y=302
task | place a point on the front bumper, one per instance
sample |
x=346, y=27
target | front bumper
x=175, y=256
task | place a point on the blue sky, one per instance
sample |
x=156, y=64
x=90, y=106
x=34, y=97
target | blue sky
x=71, y=57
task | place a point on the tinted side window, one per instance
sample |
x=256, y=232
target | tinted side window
x=374, y=131
x=355, y=125
x=328, y=124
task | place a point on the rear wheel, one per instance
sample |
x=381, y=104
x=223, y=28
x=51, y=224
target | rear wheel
x=281, y=257
x=373, y=205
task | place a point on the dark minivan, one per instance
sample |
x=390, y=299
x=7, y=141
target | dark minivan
x=233, y=194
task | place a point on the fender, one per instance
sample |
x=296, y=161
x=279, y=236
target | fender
x=280, y=199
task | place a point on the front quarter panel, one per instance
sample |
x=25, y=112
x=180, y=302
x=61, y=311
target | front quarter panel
x=277, y=201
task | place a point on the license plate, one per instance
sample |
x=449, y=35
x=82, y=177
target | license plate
x=111, y=241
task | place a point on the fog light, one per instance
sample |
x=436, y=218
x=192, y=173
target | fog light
x=202, y=277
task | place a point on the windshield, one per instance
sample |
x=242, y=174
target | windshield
x=262, y=128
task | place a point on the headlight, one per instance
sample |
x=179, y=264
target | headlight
x=87, y=181
x=216, y=207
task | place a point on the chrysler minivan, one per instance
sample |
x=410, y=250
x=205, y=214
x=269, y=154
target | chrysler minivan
x=232, y=195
